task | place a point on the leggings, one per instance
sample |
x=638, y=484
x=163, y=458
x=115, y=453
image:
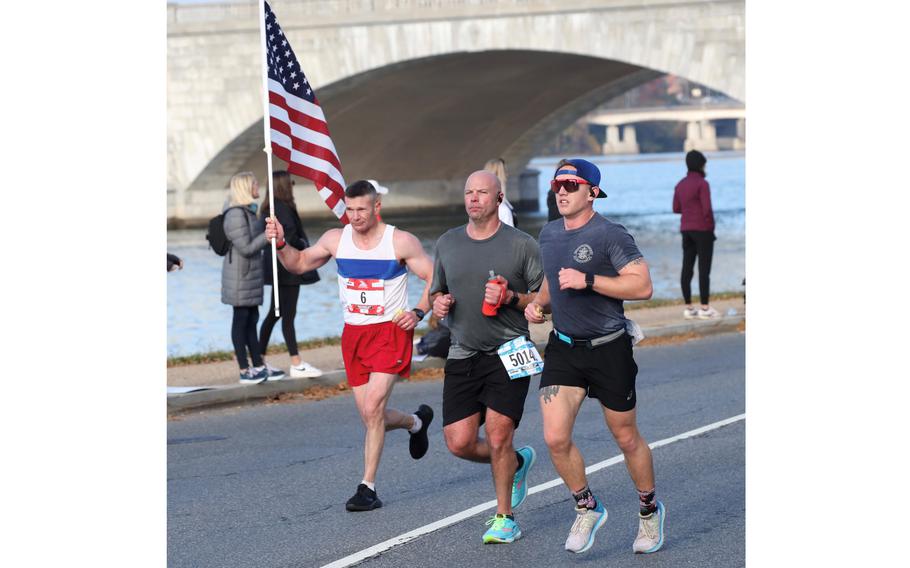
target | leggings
x=287, y=297
x=700, y=244
x=243, y=334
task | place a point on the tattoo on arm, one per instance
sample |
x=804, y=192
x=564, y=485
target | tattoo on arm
x=549, y=393
x=638, y=260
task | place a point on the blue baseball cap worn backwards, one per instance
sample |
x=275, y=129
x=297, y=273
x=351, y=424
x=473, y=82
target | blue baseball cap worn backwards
x=588, y=172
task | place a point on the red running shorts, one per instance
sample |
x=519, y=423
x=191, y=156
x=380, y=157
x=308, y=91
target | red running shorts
x=376, y=348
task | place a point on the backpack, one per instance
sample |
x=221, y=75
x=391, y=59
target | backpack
x=216, y=237
x=436, y=342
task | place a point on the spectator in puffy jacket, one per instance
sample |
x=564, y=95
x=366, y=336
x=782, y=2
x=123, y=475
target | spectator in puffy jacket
x=692, y=200
x=241, y=276
x=288, y=283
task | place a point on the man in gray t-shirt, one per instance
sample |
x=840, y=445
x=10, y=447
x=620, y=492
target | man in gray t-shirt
x=462, y=269
x=478, y=387
x=592, y=265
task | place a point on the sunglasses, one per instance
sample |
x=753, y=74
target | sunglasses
x=570, y=185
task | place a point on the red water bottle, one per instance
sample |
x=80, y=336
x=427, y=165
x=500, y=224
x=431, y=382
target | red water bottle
x=492, y=309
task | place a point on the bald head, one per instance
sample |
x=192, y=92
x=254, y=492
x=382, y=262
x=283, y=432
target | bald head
x=484, y=178
x=481, y=196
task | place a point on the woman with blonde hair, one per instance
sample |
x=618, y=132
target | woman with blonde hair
x=288, y=283
x=241, y=276
x=497, y=167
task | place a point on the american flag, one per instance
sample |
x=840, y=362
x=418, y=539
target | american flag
x=299, y=133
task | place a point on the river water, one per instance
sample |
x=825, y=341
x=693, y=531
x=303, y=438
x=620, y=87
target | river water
x=640, y=193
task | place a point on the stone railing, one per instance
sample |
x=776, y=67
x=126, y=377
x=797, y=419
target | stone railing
x=335, y=12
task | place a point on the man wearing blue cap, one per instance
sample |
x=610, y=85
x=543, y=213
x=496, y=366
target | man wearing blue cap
x=591, y=265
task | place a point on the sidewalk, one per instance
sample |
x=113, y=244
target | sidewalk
x=221, y=378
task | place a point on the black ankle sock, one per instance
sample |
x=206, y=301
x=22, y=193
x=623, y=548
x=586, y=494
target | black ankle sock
x=512, y=517
x=585, y=498
x=646, y=504
x=521, y=461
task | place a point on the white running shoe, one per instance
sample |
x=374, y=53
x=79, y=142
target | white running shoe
x=650, y=531
x=305, y=371
x=690, y=313
x=710, y=313
x=587, y=521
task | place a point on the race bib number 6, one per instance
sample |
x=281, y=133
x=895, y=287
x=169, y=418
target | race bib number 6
x=520, y=358
x=364, y=296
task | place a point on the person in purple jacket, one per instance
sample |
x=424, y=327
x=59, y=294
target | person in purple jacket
x=692, y=199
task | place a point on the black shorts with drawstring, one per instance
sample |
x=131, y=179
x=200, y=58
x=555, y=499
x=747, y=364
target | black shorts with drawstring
x=479, y=382
x=607, y=372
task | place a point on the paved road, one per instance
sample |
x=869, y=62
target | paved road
x=265, y=486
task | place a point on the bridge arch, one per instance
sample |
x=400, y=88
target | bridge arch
x=423, y=125
x=427, y=84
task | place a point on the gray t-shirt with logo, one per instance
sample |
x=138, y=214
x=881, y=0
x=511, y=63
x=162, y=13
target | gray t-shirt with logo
x=601, y=247
x=462, y=268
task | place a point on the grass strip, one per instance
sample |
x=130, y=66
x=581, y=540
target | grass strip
x=217, y=356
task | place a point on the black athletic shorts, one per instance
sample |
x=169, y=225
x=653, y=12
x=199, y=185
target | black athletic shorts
x=474, y=384
x=607, y=372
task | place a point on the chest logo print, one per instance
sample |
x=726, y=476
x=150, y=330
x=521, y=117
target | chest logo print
x=584, y=253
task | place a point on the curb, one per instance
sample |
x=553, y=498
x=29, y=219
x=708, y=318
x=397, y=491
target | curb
x=247, y=394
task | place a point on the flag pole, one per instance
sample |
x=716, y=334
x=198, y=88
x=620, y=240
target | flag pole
x=268, y=147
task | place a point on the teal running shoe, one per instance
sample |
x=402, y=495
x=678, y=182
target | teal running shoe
x=519, y=482
x=503, y=530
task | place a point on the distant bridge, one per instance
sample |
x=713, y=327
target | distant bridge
x=418, y=93
x=700, y=131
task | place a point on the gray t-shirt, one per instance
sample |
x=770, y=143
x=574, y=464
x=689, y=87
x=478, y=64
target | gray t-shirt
x=601, y=247
x=462, y=268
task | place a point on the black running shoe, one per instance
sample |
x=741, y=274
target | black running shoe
x=364, y=500
x=419, y=442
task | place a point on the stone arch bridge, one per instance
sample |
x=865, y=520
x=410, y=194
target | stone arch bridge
x=419, y=93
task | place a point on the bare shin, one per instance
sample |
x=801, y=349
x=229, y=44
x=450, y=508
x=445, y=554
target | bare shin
x=559, y=406
x=633, y=446
x=500, y=432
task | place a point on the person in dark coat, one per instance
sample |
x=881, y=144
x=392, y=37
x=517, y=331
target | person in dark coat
x=288, y=283
x=692, y=200
x=241, y=276
x=174, y=262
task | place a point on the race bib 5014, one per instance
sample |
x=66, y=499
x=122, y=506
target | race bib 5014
x=520, y=358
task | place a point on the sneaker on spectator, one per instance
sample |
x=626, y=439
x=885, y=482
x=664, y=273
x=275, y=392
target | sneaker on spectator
x=252, y=376
x=304, y=371
x=503, y=530
x=710, y=313
x=690, y=313
x=650, y=531
x=587, y=521
x=274, y=374
x=259, y=374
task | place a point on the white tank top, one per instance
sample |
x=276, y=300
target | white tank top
x=372, y=284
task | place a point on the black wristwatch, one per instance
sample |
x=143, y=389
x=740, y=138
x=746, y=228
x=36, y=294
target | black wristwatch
x=420, y=313
x=589, y=281
x=514, y=301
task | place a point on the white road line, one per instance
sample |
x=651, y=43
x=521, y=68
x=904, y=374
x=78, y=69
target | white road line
x=366, y=553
